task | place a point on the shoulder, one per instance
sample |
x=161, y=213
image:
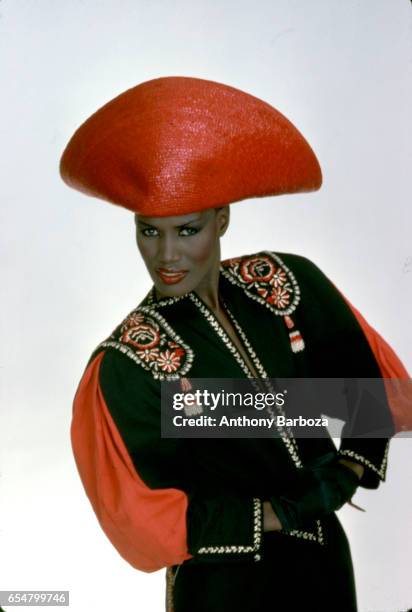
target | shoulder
x=272, y=278
x=265, y=265
x=146, y=339
x=288, y=282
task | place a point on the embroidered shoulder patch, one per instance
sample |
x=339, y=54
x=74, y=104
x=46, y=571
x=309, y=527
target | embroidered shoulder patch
x=147, y=338
x=266, y=279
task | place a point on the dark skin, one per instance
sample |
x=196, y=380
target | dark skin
x=182, y=254
x=171, y=241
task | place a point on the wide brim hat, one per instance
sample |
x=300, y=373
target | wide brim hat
x=176, y=145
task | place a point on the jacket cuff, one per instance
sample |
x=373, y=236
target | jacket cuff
x=225, y=528
x=372, y=453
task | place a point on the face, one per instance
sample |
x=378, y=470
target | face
x=182, y=253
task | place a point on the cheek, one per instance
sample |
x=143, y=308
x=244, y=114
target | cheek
x=146, y=250
x=204, y=250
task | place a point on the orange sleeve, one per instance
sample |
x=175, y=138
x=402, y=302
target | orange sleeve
x=399, y=393
x=146, y=526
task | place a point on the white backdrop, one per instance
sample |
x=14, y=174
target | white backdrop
x=341, y=71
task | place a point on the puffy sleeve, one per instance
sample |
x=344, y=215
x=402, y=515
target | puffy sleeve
x=136, y=481
x=341, y=344
x=396, y=384
x=394, y=373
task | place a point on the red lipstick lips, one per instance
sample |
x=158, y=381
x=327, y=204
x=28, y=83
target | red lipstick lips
x=171, y=277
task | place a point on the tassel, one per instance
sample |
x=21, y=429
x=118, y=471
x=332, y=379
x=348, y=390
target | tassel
x=195, y=409
x=289, y=322
x=296, y=341
x=185, y=385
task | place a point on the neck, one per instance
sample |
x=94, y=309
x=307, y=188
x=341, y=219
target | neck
x=208, y=290
x=211, y=299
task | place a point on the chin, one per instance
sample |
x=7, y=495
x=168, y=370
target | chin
x=171, y=290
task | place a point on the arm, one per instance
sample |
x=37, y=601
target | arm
x=345, y=346
x=399, y=391
x=323, y=486
x=152, y=524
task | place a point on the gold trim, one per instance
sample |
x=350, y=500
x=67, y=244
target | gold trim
x=381, y=471
x=287, y=438
x=308, y=535
x=257, y=536
x=212, y=320
x=168, y=301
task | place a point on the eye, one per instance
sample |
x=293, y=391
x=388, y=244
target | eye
x=149, y=232
x=188, y=231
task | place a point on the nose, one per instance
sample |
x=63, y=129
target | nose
x=168, y=252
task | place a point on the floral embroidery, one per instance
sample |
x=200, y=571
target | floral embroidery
x=147, y=338
x=149, y=355
x=265, y=278
x=279, y=297
x=134, y=318
x=143, y=336
x=169, y=361
x=279, y=278
x=257, y=268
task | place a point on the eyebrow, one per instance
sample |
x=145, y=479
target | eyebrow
x=176, y=226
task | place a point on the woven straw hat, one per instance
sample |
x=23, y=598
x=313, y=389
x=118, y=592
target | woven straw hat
x=175, y=145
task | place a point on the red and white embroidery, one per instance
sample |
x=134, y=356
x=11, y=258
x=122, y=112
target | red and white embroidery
x=258, y=268
x=169, y=361
x=149, y=355
x=265, y=278
x=134, y=318
x=279, y=297
x=147, y=338
x=143, y=336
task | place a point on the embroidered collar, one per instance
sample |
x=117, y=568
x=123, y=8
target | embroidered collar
x=147, y=338
x=264, y=277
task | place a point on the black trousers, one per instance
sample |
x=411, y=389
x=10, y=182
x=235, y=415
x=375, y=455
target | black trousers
x=294, y=574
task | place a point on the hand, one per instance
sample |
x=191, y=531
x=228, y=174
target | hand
x=271, y=521
x=353, y=465
x=322, y=487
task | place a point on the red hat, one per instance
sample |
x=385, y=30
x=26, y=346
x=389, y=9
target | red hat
x=175, y=145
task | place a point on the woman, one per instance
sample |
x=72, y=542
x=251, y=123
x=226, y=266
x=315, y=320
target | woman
x=242, y=523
